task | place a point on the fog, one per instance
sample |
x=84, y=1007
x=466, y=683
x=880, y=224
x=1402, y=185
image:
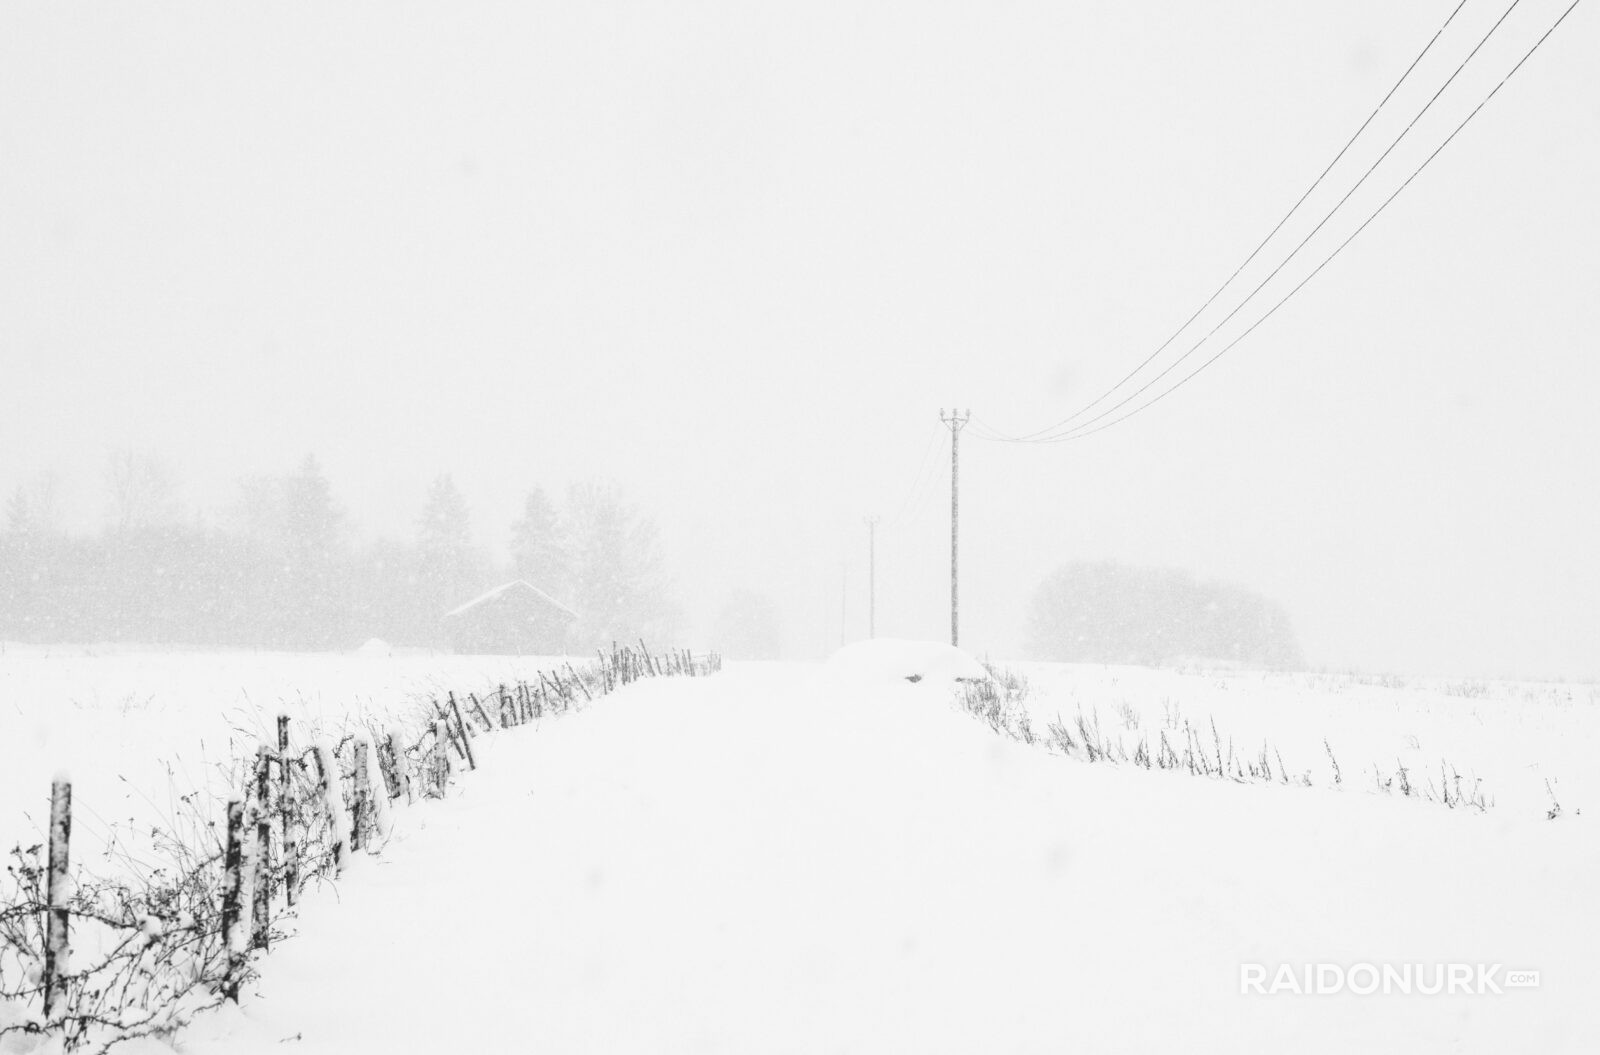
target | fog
x=734, y=259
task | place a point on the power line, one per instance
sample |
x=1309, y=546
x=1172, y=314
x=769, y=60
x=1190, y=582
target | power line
x=1296, y=250
x=1074, y=434
x=1052, y=432
x=916, y=494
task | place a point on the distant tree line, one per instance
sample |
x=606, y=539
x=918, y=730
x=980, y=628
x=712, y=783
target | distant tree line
x=1112, y=613
x=280, y=568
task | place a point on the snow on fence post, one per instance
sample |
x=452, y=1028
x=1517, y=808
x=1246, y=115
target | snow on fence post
x=56, y=949
x=261, y=899
x=332, y=794
x=450, y=735
x=438, y=762
x=233, y=937
x=362, y=793
x=402, y=777
x=462, y=728
x=387, y=764
x=291, y=836
x=648, y=658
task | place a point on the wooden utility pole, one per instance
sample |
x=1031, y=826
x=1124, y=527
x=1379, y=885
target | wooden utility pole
x=57, y=894
x=872, y=577
x=956, y=421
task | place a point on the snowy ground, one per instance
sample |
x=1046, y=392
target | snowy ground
x=1532, y=744
x=135, y=729
x=816, y=858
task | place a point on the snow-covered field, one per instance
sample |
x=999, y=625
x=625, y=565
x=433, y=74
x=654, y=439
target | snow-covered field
x=135, y=729
x=826, y=857
x=1532, y=745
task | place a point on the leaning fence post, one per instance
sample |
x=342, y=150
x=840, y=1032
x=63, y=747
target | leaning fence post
x=462, y=726
x=581, y=685
x=56, y=921
x=233, y=938
x=387, y=764
x=261, y=899
x=483, y=716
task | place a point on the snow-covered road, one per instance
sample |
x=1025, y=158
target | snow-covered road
x=795, y=859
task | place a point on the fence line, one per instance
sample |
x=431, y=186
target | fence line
x=151, y=953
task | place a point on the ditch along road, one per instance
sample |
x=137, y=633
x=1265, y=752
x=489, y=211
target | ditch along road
x=816, y=858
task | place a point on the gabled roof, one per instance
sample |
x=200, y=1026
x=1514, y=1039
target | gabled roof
x=514, y=584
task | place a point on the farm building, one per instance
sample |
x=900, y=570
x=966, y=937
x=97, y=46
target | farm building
x=517, y=618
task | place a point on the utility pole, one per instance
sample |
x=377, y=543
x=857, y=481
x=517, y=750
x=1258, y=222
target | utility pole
x=956, y=421
x=872, y=577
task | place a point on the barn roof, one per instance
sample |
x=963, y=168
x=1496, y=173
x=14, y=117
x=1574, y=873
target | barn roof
x=504, y=588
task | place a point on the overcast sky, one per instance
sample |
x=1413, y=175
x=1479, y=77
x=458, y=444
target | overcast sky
x=736, y=256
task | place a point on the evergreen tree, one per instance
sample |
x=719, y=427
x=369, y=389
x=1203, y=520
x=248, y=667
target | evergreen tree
x=1111, y=613
x=618, y=585
x=539, y=549
x=311, y=580
x=449, y=569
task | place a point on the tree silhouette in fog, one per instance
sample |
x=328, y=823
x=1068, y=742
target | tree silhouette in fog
x=1112, y=613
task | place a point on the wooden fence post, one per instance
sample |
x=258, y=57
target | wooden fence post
x=483, y=716
x=462, y=726
x=441, y=758
x=363, y=792
x=233, y=938
x=581, y=685
x=56, y=919
x=261, y=890
x=332, y=796
x=388, y=765
x=291, y=835
x=450, y=735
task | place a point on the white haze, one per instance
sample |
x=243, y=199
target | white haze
x=737, y=256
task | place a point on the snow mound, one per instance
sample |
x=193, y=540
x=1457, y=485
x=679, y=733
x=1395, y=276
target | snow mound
x=375, y=646
x=891, y=660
